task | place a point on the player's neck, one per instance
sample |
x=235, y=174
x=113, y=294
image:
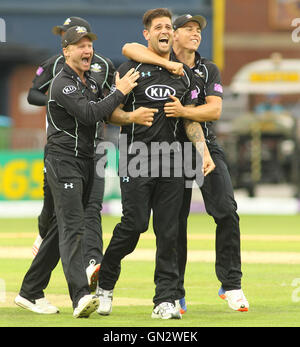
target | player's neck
x=79, y=72
x=165, y=55
x=185, y=56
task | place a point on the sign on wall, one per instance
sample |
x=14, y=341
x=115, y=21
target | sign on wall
x=21, y=175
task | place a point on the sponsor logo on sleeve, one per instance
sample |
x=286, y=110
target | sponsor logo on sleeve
x=218, y=88
x=194, y=94
x=39, y=71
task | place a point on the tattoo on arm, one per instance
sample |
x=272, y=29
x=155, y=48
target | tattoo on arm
x=195, y=135
x=194, y=131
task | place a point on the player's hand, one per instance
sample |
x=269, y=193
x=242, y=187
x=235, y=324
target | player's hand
x=127, y=82
x=143, y=116
x=208, y=163
x=175, y=68
x=175, y=108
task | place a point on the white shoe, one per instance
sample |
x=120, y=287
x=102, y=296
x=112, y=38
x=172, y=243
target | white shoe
x=92, y=272
x=166, y=310
x=86, y=305
x=41, y=306
x=36, y=245
x=236, y=300
x=105, y=297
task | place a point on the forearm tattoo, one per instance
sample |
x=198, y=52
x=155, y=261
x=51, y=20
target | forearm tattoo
x=194, y=131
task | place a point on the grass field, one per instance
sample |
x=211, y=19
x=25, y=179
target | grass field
x=271, y=278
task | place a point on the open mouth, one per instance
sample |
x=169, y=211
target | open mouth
x=85, y=61
x=164, y=41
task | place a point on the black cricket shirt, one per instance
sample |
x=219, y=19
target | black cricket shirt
x=102, y=71
x=73, y=110
x=155, y=85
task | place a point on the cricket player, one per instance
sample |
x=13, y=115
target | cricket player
x=143, y=193
x=38, y=276
x=75, y=106
x=102, y=70
x=217, y=190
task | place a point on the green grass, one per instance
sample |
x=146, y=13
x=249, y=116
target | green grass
x=269, y=287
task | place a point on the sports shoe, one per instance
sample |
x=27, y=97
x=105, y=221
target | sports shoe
x=41, y=305
x=86, y=305
x=235, y=298
x=166, y=310
x=105, y=297
x=36, y=245
x=222, y=294
x=181, y=305
x=92, y=272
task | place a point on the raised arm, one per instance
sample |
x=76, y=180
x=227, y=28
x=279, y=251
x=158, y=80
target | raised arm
x=142, y=54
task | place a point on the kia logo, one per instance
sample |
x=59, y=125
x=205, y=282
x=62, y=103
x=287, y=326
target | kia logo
x=69, y=89
x=160, y=92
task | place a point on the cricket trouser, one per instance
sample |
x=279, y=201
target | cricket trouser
x=45, y=217
x=93, y=241
x=139, y=196
x=38, y=275
x=70, y=180
x=218, y=196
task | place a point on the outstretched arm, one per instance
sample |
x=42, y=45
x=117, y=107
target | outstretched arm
x=142, y=54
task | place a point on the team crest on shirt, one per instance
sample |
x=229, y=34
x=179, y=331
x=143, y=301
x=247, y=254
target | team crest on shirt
x=199, y=73
x=96, y=67
x=94, y=88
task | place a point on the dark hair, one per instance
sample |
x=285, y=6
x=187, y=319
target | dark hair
x=155, y=13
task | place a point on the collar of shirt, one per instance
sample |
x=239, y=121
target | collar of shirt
x=67, y=68
x=197, y=59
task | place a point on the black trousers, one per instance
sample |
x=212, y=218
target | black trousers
x=38, y=275
x=70, y=180
x=139, y=196
x=218, y=196
x=93, y=239
x=45, y=218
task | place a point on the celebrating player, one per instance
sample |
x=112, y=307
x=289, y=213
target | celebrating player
x=145, y=192
x=217, y=190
